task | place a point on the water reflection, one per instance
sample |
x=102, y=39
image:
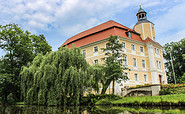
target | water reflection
x=90, y=110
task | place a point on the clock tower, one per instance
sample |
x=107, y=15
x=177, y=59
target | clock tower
x=144, y=27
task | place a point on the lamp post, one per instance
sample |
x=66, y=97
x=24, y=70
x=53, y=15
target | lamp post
x=172, y=66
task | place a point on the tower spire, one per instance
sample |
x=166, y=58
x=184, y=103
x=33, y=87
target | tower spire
x=140, y=3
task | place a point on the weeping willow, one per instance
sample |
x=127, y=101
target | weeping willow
x=57, y=78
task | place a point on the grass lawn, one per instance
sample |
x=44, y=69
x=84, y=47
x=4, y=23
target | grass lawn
x=177, y=98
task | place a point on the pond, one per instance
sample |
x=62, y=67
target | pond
x=90, y=110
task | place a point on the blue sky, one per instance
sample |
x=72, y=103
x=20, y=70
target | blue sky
x=58, y=20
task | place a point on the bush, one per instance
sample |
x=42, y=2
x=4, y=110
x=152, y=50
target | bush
x=172, y=89
x=10, y=99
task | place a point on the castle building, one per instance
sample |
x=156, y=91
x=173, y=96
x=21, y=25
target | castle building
x=143, y=55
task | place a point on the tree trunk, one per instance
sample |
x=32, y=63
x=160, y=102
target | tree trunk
x=104, y=88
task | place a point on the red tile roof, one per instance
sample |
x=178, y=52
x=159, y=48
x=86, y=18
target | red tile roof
x=101, y=32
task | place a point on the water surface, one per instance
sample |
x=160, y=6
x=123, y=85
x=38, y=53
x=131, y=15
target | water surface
x=90, y=110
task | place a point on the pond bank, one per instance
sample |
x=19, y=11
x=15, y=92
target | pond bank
x=165, y=100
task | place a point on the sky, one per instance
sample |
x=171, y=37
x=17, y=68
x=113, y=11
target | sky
x=59, y=20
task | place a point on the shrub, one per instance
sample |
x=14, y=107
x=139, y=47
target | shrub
x=172, y=89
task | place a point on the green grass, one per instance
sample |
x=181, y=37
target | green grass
x=20, y=104
x=147, y=99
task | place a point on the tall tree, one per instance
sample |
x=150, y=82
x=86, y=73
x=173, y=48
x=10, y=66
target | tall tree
x=20, y=48
x=58, y=78
x=112, y=68
x=177, y=49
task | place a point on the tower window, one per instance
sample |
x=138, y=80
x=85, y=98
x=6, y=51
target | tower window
x=153, y=28
x=154, y=38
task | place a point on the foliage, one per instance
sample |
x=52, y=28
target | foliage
x=58, y=78
x=112, y=70
x=177, y=49
x=92, y=99
x=177, y=98
x=145, y=85
x=20, y=48
x=172, y=89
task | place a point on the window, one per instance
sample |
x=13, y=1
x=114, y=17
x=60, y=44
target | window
x=96, y=49
x=134, y=62
x=136, y=77
x=96, y=61
x=160, y=65
x=124, y=60
x=155, y=50
x=84, y=53
x=157, y=64
x=123, y=44
x=143, y=64
x=129, y=34
x=153, y=28
x=126, y=75
x=107, y=46
x=142, y=49
x=154, y=38
x=132, y=46
x=145, y=78
x=158, y=51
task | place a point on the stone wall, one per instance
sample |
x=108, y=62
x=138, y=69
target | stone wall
x=152, y=90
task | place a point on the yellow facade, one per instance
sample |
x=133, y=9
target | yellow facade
x=146, y=30
x=91, y=56
x=144, y=55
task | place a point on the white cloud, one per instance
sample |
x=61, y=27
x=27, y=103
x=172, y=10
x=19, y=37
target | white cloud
x=170, y=26
x=69, y=17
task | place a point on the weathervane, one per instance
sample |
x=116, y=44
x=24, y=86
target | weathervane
x=140, y=3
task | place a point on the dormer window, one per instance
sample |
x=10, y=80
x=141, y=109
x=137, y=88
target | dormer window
x=129, y=34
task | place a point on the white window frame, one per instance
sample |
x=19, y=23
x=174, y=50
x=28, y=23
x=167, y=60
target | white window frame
x=133, y=47
x=157, y=64
x=142, y=48
x=155, y=50
x=94, y=50
x=136, y=77
x=143, y=63
x=160, y=67
x=124, y=45
x=95, y=61
x=134, y=62
x=126, y=81
x=129, y=34
x=125, y=63
x=145, y=78
x=84, y=54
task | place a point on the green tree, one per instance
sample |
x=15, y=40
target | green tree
x=20, y=48
x=112, y=69
x=58, y=78
x=177, y=49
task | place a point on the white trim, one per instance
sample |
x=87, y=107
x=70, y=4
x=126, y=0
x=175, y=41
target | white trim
x=143, y=32
x=151, y=31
